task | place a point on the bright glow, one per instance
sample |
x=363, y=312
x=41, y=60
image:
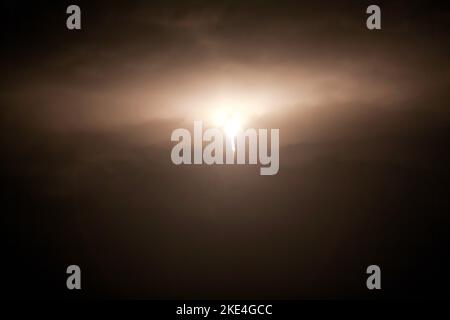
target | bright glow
x=232, y=126
x=230, y=123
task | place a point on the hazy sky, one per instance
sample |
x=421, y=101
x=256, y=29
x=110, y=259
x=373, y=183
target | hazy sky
x=138, y=62
x=364, y=121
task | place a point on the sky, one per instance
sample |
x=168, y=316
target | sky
x=364, y=121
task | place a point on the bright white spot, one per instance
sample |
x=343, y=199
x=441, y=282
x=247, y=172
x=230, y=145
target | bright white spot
x=231, y=124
